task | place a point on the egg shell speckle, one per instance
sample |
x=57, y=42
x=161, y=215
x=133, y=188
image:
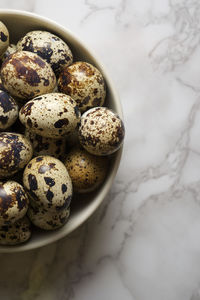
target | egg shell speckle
x=47, y=181
x=8, y=110
x=48, y=46
x=13, y=202
x=101, y=131
x=15, y=152
x=87, y=171
x=84, y=83
x=17, y=233
x=52, y=115
x=46, y=146
x=26, y=75
x=4, y=38
x=46, y=219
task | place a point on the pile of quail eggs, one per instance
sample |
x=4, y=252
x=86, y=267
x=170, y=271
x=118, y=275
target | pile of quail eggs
x=55, y=135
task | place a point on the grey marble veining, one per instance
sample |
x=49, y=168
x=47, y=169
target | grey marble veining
x=143, y=242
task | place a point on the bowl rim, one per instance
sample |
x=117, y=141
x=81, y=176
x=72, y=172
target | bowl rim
x=101, y=196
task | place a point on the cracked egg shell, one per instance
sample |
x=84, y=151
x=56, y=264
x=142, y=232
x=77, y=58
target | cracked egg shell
x=4, y=38
x=86, y=171
x=17, y=233
x=15, y=153
x=46, y=219
x=13, y=202
x=26, y=75
x=52, y=115
x=48, y=46
x=46, y=146
x=8, y=110
x=84, y=83
x=101, y=131
x=47, y=181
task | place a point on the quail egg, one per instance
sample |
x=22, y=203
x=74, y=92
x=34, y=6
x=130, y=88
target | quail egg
x=13, y=202
x=17, y=233
x=84, y=83
x=46, y=146
x=4, y=38
x=52, y=115
x=48, y=46
x=15, y=153
x=46, y=219
x=10, y=50
x=48, y=183
x=8, y=110
x=86, y=171
x=26, y=75
x=101, y=131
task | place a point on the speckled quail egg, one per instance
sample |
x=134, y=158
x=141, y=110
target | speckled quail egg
x=101, y=131
x=26, y=75
x=84, y=83
x=86, y=171
x=8, y=110
x=17, y=233
x=49, y=46
x=13, y=202
x=10, y=50
x=46, y=219
x=46, y=146
x=51, y=115
x=15, y=152
x=4, y=38
x=47, y=181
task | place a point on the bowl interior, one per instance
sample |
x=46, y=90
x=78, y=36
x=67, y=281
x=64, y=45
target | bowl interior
x=18, y=24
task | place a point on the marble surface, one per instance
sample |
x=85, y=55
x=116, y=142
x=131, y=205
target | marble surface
x=143, y=243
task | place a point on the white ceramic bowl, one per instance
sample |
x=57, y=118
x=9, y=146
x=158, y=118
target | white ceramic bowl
x=19, y=23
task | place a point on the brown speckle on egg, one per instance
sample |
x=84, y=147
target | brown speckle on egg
x=32, y=182
x=63, y=188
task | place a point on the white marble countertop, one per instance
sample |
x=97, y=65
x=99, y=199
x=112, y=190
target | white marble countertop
x=143, y=243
